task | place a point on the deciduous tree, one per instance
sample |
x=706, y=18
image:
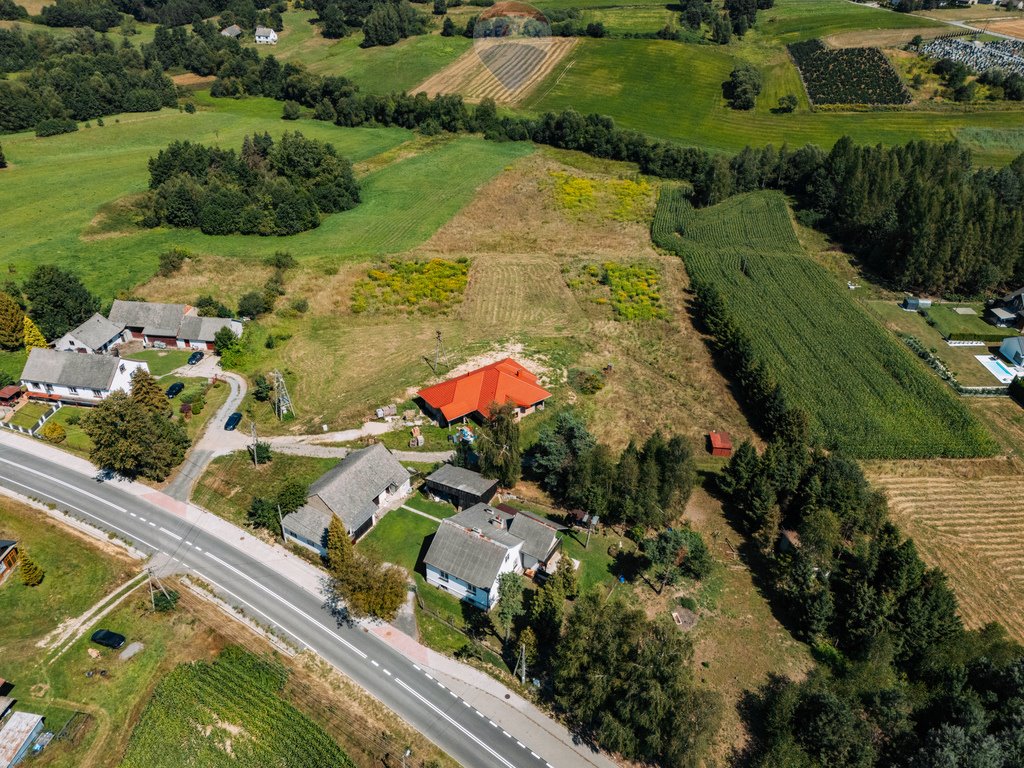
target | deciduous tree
x=57, y=300
x=497, y=446
x=32, y=336
x=133, y=442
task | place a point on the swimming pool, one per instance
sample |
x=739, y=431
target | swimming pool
x=997, y=368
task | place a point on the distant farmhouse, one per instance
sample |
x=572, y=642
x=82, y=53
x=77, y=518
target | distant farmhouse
x=266, y=36
x=473, y=548
x=358, y=490
x=53, y=375
x=234, y=31
x=472, y=394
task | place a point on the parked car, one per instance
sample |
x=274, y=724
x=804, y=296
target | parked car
x=108, y=638
x=232, y=421
x=174, y=390
x=195, y=357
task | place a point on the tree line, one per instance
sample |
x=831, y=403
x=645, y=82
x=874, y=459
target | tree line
x=900, y=681
x=383, y=22
x=271, y=188
x=81, y=78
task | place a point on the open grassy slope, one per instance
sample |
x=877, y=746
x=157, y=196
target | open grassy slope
x=862, y=390
x=77, y=174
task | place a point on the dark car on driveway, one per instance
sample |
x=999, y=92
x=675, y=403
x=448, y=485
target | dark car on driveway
x=195, y=357
x=232, y=421
x=174, y=390
x=108, y=638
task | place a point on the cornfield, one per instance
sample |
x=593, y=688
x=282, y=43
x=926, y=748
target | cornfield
x=864, y=392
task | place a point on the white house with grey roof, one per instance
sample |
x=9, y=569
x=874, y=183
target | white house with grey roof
x=266, y=36
x=173, y=325
x=95, y=335
x=55, y=375
x=469, y=553
x=358, y=490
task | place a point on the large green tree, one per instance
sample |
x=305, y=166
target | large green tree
x=131, y=441
x=57, y=300
x=340, y=553
x=510, y=601
x=625, y=680
x=3, y=160
x=497, y=447
x=148, y=393
x=12, y=323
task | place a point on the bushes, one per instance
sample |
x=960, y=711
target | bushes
x=97, y=14
x=743, y=87
x=171, y=261
x=847, y=75
x=55, y=126
x=52, y=432
x=426, y=287
x=11, y=11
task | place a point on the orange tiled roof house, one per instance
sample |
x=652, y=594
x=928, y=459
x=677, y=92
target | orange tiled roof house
x=473, y=393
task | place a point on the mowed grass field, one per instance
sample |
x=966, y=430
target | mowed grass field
x=964, y=518
x=80, y=173
x=381, y=69
x=674, y=91
x=863, y=391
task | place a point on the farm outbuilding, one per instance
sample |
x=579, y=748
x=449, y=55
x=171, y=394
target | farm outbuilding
x=720, y=444
x=10, y=394
x=16, y=737
x=461, y=487
x=912, y=303
x=8, y=562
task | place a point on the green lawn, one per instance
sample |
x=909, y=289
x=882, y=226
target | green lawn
x=434, y=439
x=76, y=441
x=674, y=91
x=230, y=483
x=399, y=538
x=435, y=508
x=792, y=20
x=12, y=363
x=162, y=361
x=381, y=69
x=966, y=327
x=27, y=416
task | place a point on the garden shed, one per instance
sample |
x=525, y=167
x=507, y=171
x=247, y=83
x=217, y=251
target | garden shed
x=720, y=444
x=461, y=487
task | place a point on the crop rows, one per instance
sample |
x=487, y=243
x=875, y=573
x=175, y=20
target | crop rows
x=863, y=391
x=228, y=713
x=847, y=75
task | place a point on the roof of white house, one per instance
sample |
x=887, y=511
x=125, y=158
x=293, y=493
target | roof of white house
x=308, y=522
x=196, y=328
x=154, y=319
x=461, y=479
x=96, y=331
x=539, y=539
x=264, y=32
x=490, y=521
x=473, y=557
x=15, y=733
x=70, y=369
x=349, y=489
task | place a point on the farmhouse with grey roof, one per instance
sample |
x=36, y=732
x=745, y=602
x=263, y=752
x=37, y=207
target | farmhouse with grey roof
x=472, y=549
x=97, y=334
x=50, y=374
x=233, y=31
x=358, y=490
x=461, y=487
x=173, y=325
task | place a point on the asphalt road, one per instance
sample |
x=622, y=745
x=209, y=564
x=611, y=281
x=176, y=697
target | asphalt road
x=440, y=715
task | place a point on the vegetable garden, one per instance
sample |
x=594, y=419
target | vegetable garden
x=228, y=713
x=847, y=75
x=427, y=287
x=863, y=391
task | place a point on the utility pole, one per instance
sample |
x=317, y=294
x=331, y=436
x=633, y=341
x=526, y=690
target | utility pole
x=252, y=430
x=521, y=664
x=280, y=521
x=152, y=600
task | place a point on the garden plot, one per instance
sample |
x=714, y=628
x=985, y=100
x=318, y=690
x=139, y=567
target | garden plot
x=503, y=70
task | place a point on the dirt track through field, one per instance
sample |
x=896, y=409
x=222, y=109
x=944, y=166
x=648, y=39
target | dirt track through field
x=971, y=527
x=503, y=70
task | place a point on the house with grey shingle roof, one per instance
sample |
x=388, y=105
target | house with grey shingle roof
x=173, y=325
x=469, y=553
x=358, y=490
x=265, y=36
x=461, y=487
x=233, y=31
x=97, y=334
x=50, y=374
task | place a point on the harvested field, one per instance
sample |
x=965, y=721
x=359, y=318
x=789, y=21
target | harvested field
x=504, y=70
x=192, y=81
x=1014, y=28
x=880, y=38
x=965, y=518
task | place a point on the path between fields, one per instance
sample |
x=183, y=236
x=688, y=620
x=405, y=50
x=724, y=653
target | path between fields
x=68, y=631
x=963, y=24
x=100, y=745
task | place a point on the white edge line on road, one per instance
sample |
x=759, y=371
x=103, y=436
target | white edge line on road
x=289, y=606
x=103, y=522
x=455, y=723
x=66, y=485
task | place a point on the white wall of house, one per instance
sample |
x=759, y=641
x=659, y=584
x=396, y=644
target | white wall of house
x=121, y=383
x=302, y=541
x=69, y=343
x=270, y=39
x=484, y=598
x=386, y=498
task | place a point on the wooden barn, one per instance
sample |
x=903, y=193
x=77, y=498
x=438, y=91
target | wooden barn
x=720, y=444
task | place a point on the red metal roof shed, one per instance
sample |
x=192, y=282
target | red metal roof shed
x=721, y=444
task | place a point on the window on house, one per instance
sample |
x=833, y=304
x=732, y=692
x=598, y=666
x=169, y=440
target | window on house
x=443, y=576
x=121, y=367
x=49, y=387
x=97, y=393
x=73, y=390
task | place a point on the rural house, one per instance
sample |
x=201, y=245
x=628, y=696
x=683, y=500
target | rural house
x=17, y=736
x=234, y=31
x=8, y=559
x=266, y=36
x=95, y=335
x=1007, y=312
x=461, y=487
x=71, y=378
x=470, y=551
x=541, y=547
x=361, y=487
x=473, y=393
x=173, y=325
x=1012, y=349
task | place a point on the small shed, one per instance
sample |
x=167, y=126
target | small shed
x=720, y=444
x=233, y=31
x=1001, y=318
x=17, y=735
x=8, y=562
x=912, y=303
x=789, y=541
x=461, y=487
x=9, y=395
